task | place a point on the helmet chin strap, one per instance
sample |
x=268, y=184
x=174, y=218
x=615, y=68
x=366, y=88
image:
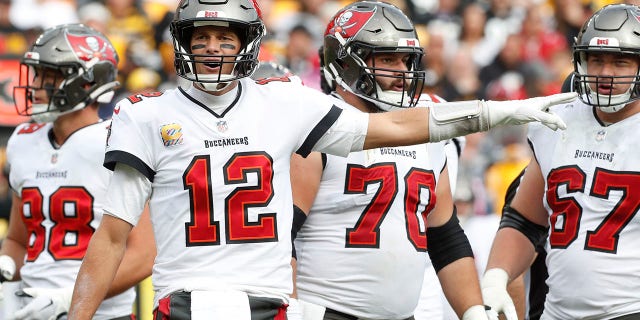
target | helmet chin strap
x=611, y=103
x=388, y=95
x=40, y=114
x=213, y=86
x=391, y=99
x=388, y=100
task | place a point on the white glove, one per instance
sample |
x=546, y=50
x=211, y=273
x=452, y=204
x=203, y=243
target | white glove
x=7, y=271
x=517, y=112
x=495, y=295
x=454, y=119
x=47, y=304
x=294, y=310
x=11, y=302
x=479, y=312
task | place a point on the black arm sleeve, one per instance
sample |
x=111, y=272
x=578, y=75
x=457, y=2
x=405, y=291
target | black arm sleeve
x=447, y=243
x=298, y=220
x=536, y=233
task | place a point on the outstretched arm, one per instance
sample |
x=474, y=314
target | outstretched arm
x=446, y=120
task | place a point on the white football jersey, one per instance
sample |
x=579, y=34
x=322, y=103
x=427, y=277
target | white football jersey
x=593, y=255
x=362, y=249
x=221, y=203
x=62, y=191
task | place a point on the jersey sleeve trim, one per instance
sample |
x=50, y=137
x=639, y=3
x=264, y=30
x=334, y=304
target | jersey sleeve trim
x=319, y=130
x=444, y=165
x=113, y=157
x=533, y=149
x=456, y=142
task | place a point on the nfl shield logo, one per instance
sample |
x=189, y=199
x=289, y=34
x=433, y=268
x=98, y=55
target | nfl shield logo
x=222, y=126
x=601, y=135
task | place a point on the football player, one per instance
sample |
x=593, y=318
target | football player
x=369, y=211
x=213, y=160
x=58, y=179
x=578, y=195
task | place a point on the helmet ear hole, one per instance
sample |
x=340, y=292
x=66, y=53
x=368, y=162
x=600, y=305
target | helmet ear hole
x=60, y=102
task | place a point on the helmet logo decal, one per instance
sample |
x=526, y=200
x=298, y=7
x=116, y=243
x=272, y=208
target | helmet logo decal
x=606, y=42
x=32, y=55
x=211, y=14
x=89, y=47
x=349, y=22
x=406, y=42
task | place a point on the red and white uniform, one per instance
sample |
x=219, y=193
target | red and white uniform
x=62, y=190
x=221, y=203
x=592, y=177
x=362, y=249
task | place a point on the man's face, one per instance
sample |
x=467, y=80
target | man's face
x=609, y=65
x=395, y=64
x=44, y=79
x=210, y=44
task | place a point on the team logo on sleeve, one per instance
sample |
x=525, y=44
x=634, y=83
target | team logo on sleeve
x=171, y=134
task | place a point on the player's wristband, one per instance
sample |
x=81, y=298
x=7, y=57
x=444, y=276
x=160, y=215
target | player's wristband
x=454, y=119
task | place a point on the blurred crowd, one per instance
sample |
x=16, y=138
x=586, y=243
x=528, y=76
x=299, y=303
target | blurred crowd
x=475, y=49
